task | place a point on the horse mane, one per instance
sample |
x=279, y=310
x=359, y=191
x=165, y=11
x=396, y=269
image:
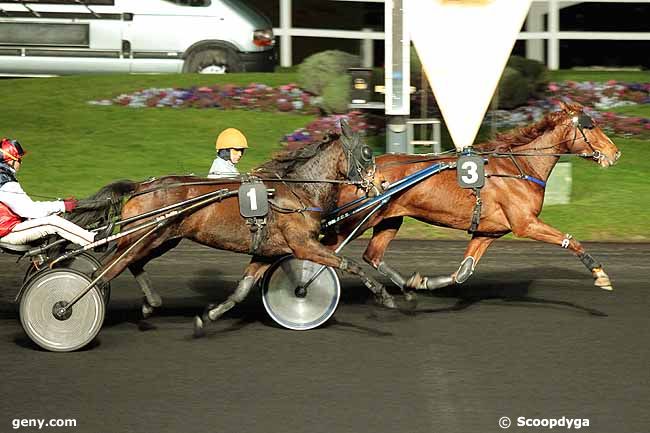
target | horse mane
x=286, y=161
x=522, y=136
x=99, y=208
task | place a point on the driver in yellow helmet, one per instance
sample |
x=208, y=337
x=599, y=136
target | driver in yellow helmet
x=230, y=144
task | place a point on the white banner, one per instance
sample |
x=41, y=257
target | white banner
x=464, y=46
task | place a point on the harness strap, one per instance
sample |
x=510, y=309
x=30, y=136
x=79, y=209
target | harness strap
x=294, y=210
x=476, y=213
x=239, y=180
x=535, y=180
x=522, y=177
x=258, y=230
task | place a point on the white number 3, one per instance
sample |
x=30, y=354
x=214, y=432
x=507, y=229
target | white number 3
x=471, y=169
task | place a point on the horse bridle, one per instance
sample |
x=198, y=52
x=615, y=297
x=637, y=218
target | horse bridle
x=581, y=122
x=361, y=163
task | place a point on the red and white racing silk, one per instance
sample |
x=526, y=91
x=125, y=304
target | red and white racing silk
x=8, y=220
x=13, y=196
x=23, y=220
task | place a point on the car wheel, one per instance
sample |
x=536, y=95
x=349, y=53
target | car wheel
x=213, y=61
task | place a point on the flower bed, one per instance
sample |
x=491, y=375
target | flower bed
x=596, y=97
x=287, y=98
x=316, y=130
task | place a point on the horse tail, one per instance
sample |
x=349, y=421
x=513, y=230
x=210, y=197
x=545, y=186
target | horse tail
x=98, y=209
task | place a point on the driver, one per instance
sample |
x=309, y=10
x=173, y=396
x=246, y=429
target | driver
x=23, y=220
x=230, y=145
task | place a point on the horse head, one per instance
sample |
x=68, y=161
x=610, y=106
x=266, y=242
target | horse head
x=358, y=162
x=336, y=158
x=586, y=138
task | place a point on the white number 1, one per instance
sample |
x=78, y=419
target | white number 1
x=471, y=168
x=253, y=198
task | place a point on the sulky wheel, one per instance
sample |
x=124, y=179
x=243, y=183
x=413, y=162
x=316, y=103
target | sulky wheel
x=84, y=263
x=48, y=291
x=292, y=305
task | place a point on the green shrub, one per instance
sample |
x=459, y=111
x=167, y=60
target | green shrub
x=513, y=89
x=533, y=71
x=321, y=69
x=336, y=95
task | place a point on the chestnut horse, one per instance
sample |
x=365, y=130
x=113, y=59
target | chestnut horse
x=510, y=203
x=305, y=183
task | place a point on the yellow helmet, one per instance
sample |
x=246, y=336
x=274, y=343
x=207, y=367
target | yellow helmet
x=231, y=138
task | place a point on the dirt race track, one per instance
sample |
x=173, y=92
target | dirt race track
x=524, y=337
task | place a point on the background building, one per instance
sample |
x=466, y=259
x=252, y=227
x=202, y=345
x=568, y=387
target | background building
x=608, y=16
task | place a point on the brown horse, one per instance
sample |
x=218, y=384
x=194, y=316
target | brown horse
x=305, y=183
x=510, y=203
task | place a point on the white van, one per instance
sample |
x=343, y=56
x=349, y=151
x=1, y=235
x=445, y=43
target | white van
x=58, y=37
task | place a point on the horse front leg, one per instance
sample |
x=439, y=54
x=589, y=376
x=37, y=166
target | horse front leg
x=536, y=229
x=152, y=298
x=254, y=271
x=473, y=253
x=314, y=251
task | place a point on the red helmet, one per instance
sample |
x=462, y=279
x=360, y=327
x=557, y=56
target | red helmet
x=10, y=150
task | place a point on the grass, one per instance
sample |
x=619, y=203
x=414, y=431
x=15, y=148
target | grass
x=608, y=203
x=634, y=110
x=76, y=148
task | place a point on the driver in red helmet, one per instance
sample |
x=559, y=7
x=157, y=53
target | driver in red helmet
x=23, y=220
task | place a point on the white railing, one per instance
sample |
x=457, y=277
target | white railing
x=534, y=37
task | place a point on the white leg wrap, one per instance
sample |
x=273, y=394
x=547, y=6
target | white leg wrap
x=566, y=241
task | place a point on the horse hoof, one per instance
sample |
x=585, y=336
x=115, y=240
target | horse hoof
x=147, y=310
x=408, y=306
x=602, y=280
x=388, y=303
x=199, y=328
x=410, y=296
x=607, y=287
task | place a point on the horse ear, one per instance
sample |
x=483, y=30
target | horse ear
x=345, y=128
x=564, y=106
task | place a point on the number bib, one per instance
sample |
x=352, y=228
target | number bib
x=470, y=171
x=253, y=200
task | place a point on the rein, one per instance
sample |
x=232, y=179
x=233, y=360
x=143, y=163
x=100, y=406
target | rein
x=239, y=180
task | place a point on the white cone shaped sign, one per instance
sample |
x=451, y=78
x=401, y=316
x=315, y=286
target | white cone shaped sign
x=464, y=46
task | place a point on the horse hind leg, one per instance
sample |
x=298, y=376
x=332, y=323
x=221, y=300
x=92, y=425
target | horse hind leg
x=382, y=296
x=253, y=273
